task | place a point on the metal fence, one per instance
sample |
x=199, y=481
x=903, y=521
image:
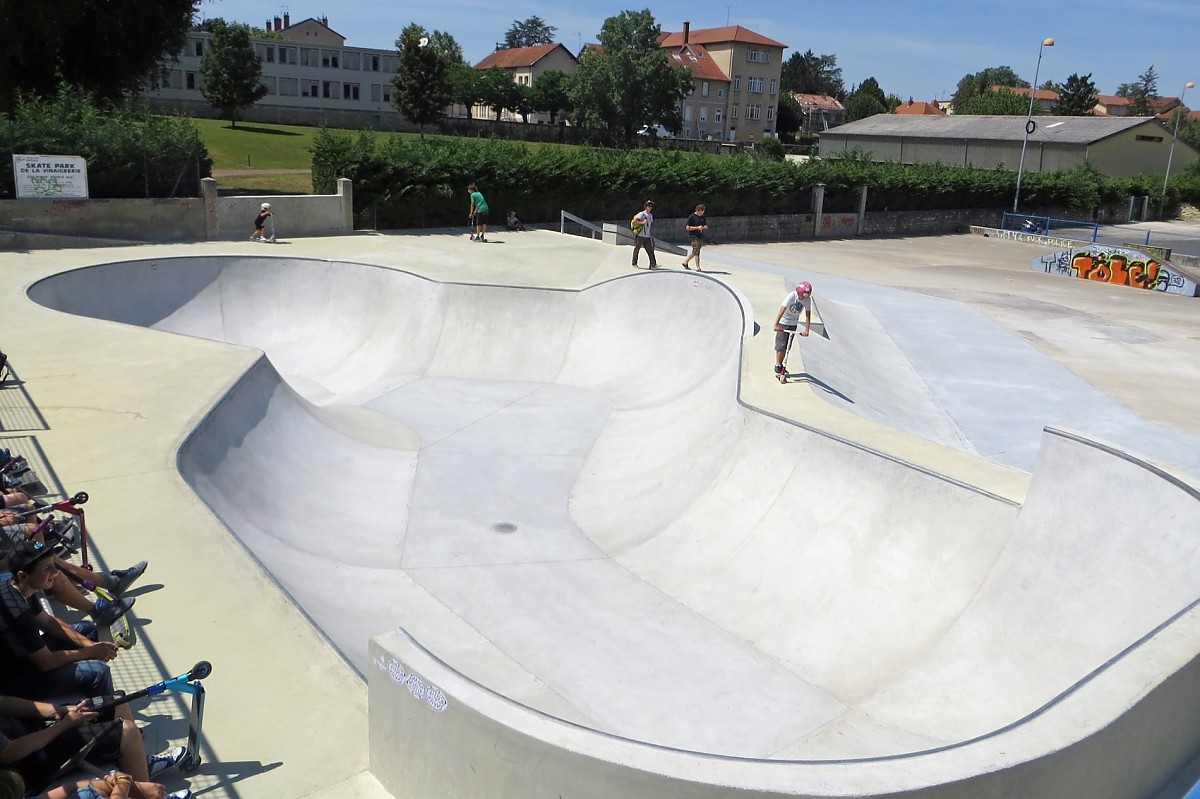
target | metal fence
x=1161, y=243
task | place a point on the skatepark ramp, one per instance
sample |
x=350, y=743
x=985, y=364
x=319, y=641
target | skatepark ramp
x=586, y=568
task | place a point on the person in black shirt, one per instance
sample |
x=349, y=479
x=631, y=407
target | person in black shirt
x=697, y=223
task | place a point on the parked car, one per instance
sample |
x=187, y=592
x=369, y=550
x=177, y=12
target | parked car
x=656, y=130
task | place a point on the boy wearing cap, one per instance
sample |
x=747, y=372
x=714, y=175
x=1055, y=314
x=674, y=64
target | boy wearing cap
x=788, y=319
x=260, y=223
x=76, y=665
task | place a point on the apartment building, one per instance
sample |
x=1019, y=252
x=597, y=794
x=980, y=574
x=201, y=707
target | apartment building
x=309, y=73
x=745, y=97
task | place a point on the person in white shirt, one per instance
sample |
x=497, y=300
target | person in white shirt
x=788, y=319
x=641, y=225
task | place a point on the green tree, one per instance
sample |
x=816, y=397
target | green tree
x=808, y=73
x=789, y=117
x=1140, y=93
x=861, y=105
x=629, y=83
x=230, y=71
x=531, y=32
x=551, y=93
x=981, y=82
x=1002, y=102
x=104, y=48
x=465, y=86
x=1077, y=96
x=447, y=47
x=870, y=87
x=423, y=88
x=497, y=89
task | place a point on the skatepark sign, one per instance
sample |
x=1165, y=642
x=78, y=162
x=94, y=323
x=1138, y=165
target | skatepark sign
x=50, y=177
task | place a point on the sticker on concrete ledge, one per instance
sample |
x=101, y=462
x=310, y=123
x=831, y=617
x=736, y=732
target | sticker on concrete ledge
x=429, y=693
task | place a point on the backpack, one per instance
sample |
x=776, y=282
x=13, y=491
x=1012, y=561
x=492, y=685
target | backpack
x=637, y=227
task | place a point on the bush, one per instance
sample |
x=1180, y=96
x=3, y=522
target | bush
x=129, y=154
x=422, y=182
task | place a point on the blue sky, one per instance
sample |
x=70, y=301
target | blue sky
x=917, y=48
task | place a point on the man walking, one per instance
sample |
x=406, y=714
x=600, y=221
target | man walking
x=643, y=236
x=697, y=223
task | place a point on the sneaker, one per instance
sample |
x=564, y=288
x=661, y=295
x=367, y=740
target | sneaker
x=164, y=760
x=182, y=793
x=107, y=611
x=252, y=238
x=778, y=369
x=119, y=580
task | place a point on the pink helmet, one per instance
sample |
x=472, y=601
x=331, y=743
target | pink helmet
x=804, y=287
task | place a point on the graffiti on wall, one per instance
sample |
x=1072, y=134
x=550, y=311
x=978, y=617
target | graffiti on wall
x=1119, y=266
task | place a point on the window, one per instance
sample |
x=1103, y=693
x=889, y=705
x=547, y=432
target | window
x=349, y=91
x=703, y=113
x=733, y=113
x=754, y=84
x=387, y=92
x=737, y=83
x=704, y=88
x=199, y=46
x=308, y=88
x=308, y=57
x=753, y=112
x=329, y=59
x=175, y=79
x=327, y=89
x=289, y=87
x=770, y=112
x=270, y=84
x=351, y=60
x=717, y=114
x=190, y=80
x=687, y=113
x=287, y=55
x=270, y=54
x=758, y=56
x=720, y=93
x=375, y=92
x=374, y=63
x=774, y=90
x=703, y=133
x=1147, y=138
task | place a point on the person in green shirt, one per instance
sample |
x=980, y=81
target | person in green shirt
x=479, y=212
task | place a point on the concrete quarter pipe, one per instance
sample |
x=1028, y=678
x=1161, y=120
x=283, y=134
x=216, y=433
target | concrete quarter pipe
x=614, y=579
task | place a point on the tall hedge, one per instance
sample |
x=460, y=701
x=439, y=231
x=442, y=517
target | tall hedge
x=129, y=153
x=421, y=182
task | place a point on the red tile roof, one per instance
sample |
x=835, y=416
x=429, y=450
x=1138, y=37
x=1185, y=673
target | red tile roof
x=811, y=101
x=730, y=33
x=921, y=108
x=696, y=58
x=1039, y=94
x=1111, y=99
x=518, y=56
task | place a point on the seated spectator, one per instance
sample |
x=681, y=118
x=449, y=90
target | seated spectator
x=75, y=667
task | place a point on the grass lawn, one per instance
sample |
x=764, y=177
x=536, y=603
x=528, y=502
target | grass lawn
x=256, y=145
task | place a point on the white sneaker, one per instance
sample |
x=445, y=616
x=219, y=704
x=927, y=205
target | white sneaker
x=164, y=760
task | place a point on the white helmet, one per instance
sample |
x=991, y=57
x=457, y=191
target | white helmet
x=265, y=206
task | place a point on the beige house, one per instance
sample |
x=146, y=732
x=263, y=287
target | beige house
x=751, y=63
x=1116, y=146
x=704, y=111
x=526, y=64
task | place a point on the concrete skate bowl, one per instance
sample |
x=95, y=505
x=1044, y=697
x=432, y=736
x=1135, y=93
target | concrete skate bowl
x=614, y=579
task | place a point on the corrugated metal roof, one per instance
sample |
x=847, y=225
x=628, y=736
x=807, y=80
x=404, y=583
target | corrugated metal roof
x=1067, y=130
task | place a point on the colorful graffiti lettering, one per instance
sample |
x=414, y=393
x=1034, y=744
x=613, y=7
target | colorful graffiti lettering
x=1116, y=266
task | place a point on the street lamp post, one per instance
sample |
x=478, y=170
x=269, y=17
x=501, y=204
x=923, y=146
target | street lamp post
x=1174, y=136
x=1029, y=121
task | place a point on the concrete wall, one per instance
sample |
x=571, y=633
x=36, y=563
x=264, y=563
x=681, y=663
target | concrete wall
x=34, y=224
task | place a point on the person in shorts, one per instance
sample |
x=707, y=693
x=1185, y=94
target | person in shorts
x=479, y=212
x=788, y=319
x=260, y=223
x=697, y=223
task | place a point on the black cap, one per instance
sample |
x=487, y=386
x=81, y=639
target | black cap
x=26, y=555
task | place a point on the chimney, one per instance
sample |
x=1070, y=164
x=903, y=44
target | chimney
x=325, y=21
x=277, y=25
x=268, y=26
x=687, y=26
x=287, y=20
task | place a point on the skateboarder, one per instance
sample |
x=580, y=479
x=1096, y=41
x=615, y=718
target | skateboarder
x=788, y=319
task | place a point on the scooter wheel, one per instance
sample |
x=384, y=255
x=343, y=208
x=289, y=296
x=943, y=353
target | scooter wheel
x=191, y=764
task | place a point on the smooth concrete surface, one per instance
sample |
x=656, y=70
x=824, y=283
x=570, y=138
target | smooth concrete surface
x=707, y=577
